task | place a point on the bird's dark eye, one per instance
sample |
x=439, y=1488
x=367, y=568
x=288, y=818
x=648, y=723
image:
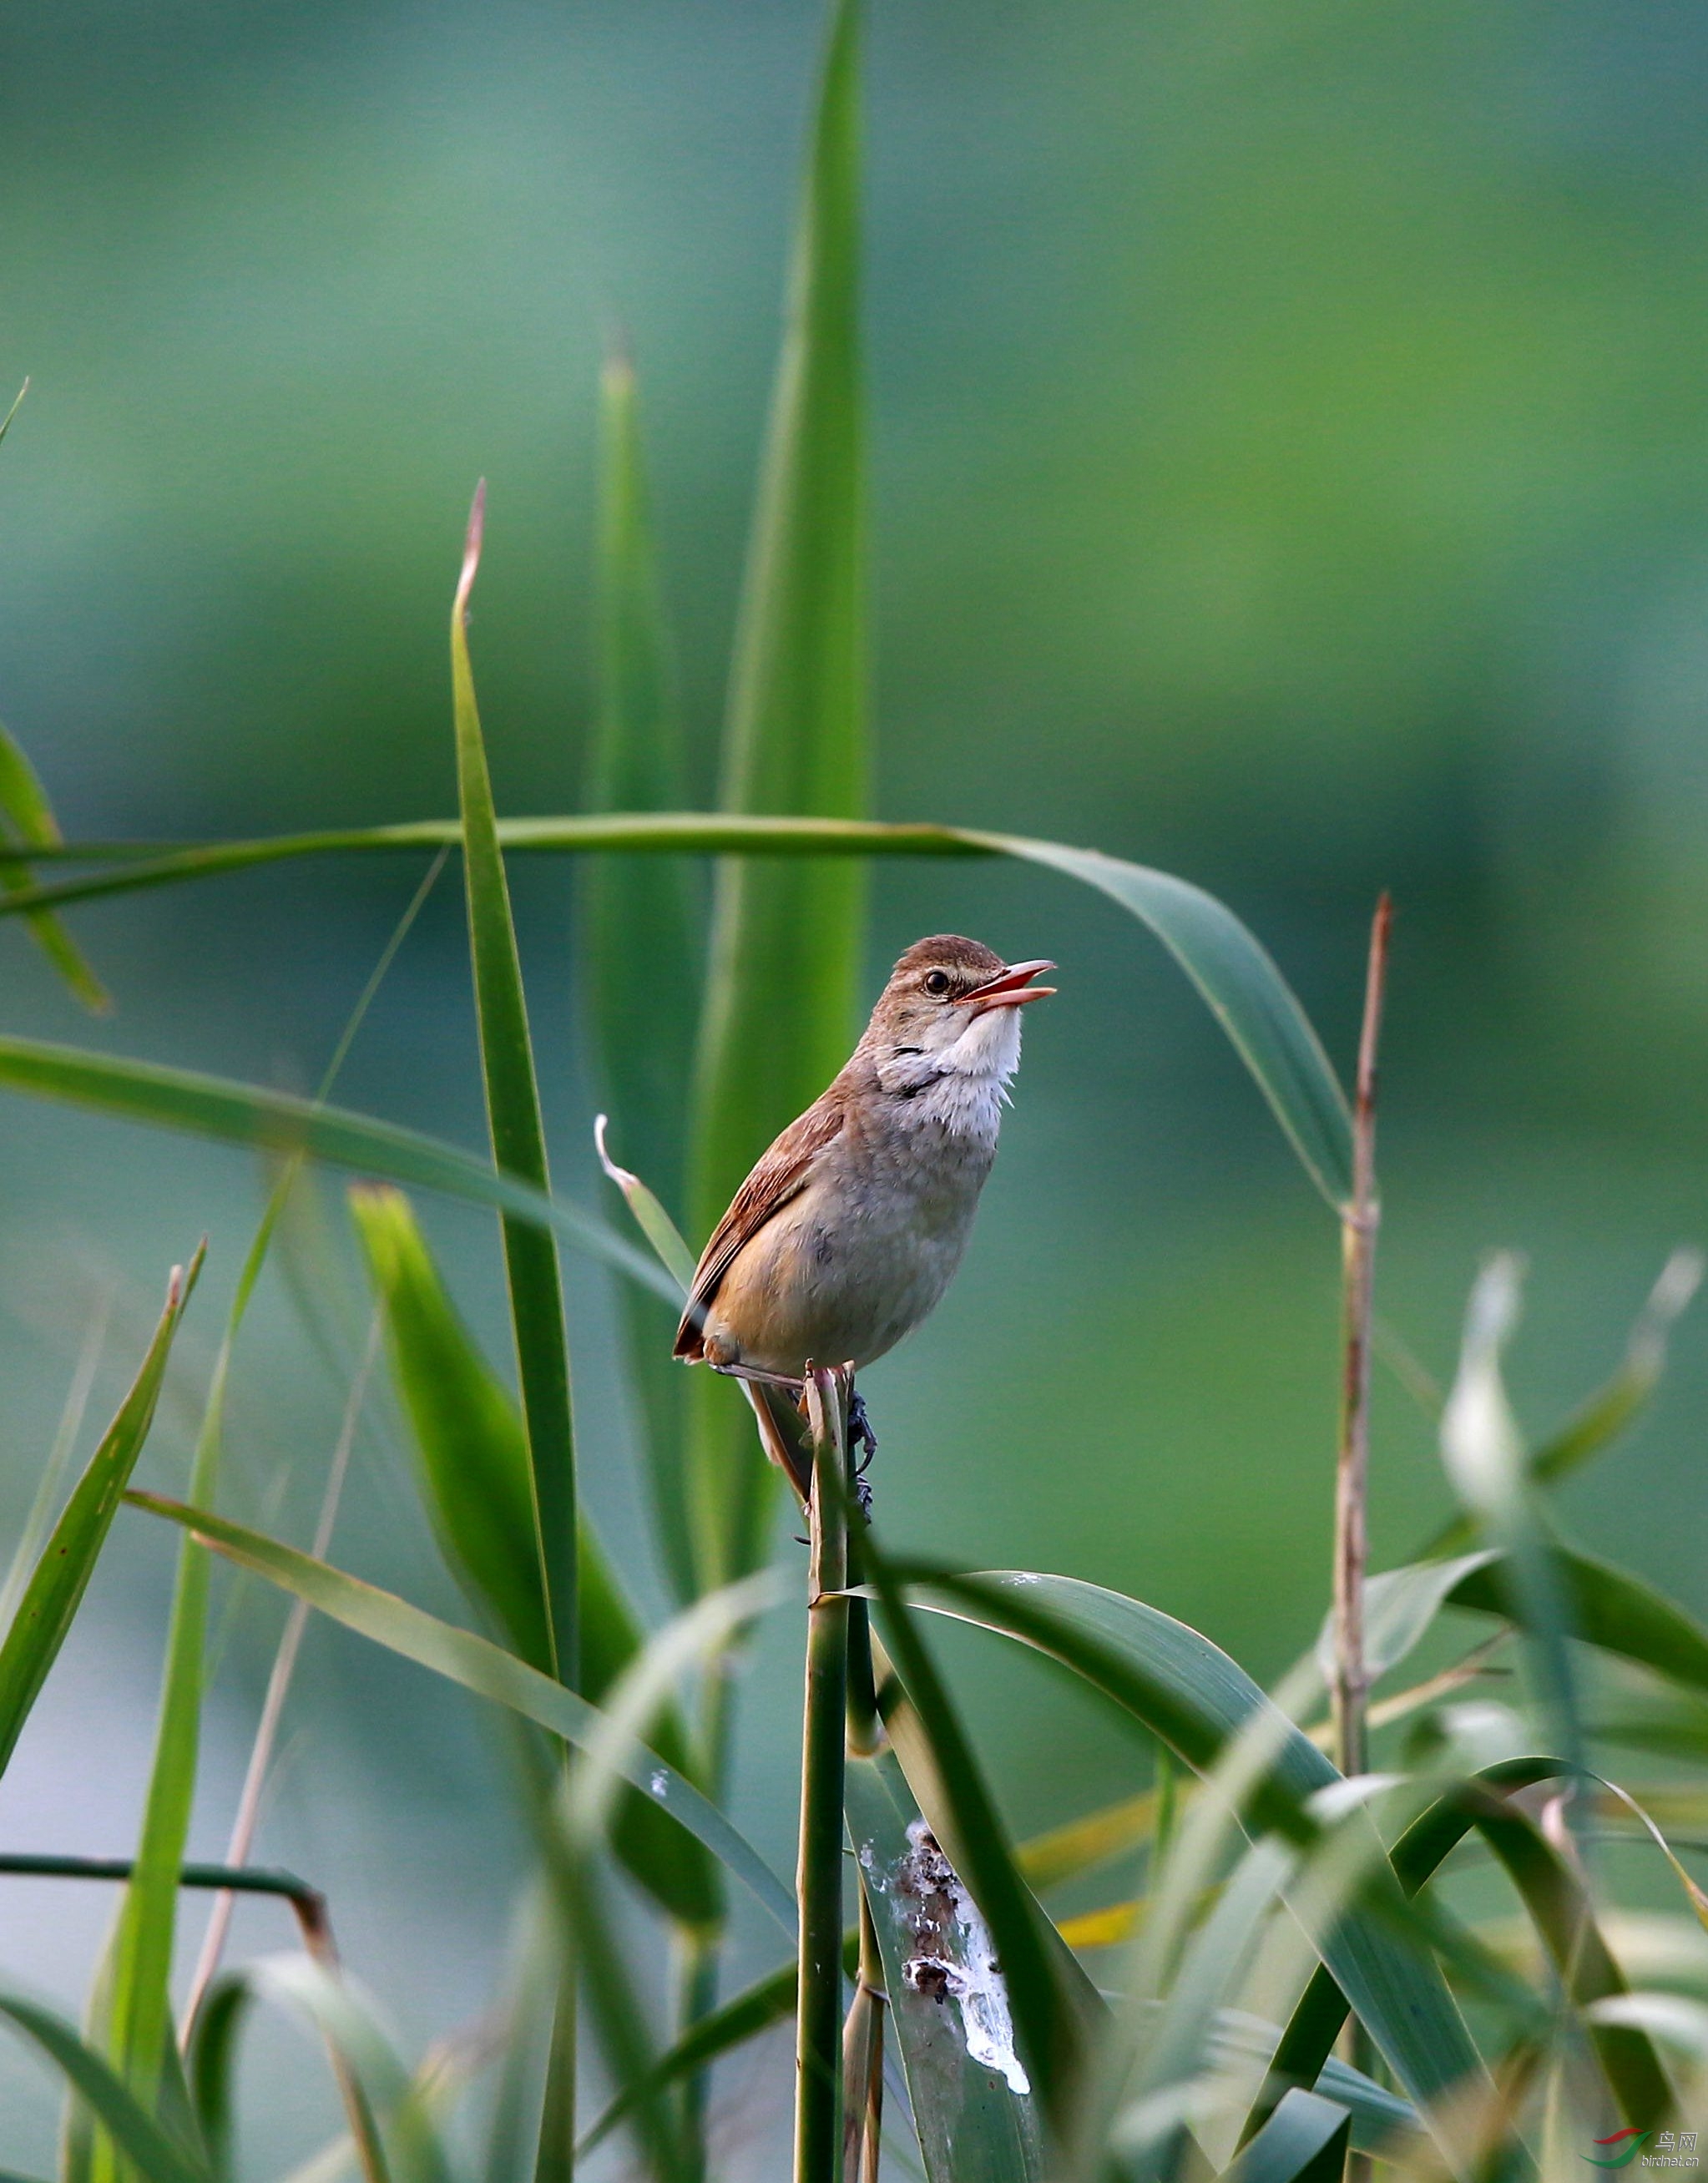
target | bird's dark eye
x=937, y=981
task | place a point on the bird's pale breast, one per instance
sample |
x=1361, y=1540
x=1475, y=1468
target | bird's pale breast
x=866, y=1252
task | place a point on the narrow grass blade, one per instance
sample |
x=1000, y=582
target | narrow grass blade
x=642, y=938
x=1151, y=2138
x=155, y=2156
x=1235, y=975
x=27, y=813
x=952, y=2014
x=474, y=1459
x=17, y=404
x=1624, y=1397
x=785, y=939
x=519, y=1148
x=1305, y=2140
x=55, y=1591
x=1187, y=1690
x=272, y=1121
x=769, y=2001
x=478, y=1665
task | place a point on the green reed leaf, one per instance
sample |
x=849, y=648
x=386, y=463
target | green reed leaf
x=61, y=1576
x=1603, y=1606
x=1239, y=980
x=641, y=931
x=656, y=1225
x=785, y=939
x=212, y=2066
x=477, y=1664
x=646, y=1687
x=274, y=1121
x=532, y=1271
x=27, y=815
x=1417, y=1855
x=1560, y=1908
x=1187, y=1690
x=155, y=2155
x=474, y=1460
x=1305, y=2140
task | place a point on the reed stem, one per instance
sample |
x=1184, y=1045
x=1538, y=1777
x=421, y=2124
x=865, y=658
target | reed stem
x=819, y=1877
x=863, y=2061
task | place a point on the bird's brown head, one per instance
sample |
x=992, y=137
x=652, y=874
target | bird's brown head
x=955, y=1004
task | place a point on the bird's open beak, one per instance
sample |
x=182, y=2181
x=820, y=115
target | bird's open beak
x=1009, y=990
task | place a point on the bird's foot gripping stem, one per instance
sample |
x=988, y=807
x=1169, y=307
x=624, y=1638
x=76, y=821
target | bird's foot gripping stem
x=861, y=1436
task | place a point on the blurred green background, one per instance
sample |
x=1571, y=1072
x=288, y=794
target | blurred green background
x=1290, y=467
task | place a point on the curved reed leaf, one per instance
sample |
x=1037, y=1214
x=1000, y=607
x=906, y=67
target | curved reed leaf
x=1417, y=1855
x=157, y=2157
x=274, y=1121
x=478, y=1665
x=1604, y=1606
x=1238, y=978
x=1186, y=1690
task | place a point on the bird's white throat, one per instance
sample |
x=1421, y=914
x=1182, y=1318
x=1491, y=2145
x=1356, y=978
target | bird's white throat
x=962, y=1087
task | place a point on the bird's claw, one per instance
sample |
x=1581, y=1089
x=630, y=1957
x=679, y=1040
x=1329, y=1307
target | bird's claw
x=860, y=1434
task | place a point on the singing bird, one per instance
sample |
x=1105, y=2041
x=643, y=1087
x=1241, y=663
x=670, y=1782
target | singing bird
x=850, y=1228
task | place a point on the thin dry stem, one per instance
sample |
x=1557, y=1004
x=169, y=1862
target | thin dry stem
x=1352, y=1468
x=273, y=1706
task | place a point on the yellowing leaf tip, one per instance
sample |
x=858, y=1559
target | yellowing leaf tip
x=471, y=546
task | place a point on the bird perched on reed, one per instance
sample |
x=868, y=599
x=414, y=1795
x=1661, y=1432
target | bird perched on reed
x=850, y=1228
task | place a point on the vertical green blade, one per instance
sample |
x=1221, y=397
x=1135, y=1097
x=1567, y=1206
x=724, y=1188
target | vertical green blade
x=519, y=1142
x=530, y=1258
x=640, y=932
x=785, y=945
x=641, y=935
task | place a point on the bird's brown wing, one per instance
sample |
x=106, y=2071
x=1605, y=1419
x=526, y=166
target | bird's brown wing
x=781, y=1173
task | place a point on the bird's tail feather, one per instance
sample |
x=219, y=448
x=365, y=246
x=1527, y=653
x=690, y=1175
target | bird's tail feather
x=783, y=1434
